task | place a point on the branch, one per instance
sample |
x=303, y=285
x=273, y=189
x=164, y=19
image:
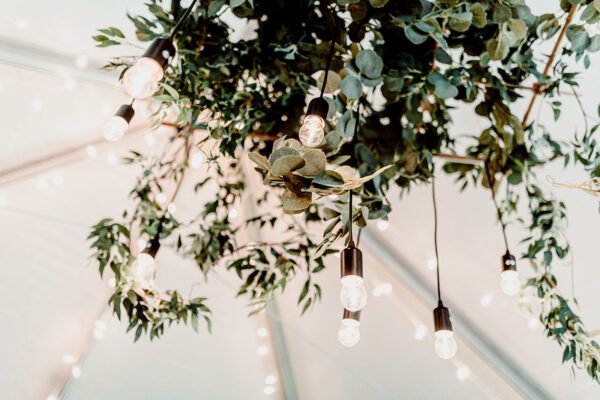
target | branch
x=549, y=63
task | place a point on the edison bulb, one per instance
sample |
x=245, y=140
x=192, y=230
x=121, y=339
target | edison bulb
x=312, y=131
x=349, y=333
x=353, y=295
x=115, y=128
x=141, y=80
x=144, y=270
x=509, y=282
x=445, y=346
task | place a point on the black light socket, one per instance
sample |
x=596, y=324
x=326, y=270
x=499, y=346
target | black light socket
x=126, y=112
x=161, y=50
x=152, y=247
x=318, y=106
x=441, y=318
x=351, y=261
x=509, y=263
x=355, y=315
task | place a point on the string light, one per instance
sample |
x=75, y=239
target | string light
x=76, y=372
x=312, y=131
x=509, y=276
x=81, y=62
x=91, y=151
x=150, y=139
x=196, y=160
x=353, y=295
x=420, y=332
x=445, y=345
x=463, y=372
x=349, y=332
x=269, y=390
x=383, y=225
x=262, y=350
x=111, y=158
x=431, y=263
x=486, y=299
x=141, y=80
x=262, y=332
x=68, y=359
x=382, y=289
x=270, y=379
x=117, y=125
x=161, y=198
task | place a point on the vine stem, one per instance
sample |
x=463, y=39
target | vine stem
x=559, y=40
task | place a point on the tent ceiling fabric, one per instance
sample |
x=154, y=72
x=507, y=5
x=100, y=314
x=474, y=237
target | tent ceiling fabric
x=52, y=296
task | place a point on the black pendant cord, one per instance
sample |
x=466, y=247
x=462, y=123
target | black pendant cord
x=435, y=241
x=350, y=217
x=330, y=56
x=498, y=211
x=185, y=16
x=350, y=214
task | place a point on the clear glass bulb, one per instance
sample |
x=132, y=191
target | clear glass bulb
x=353, y=295
x=144, y=270
x=141, y=80
x=312, y=131
x=445, y=346
x=509, y=282
x=115, y=128
x=349, y=333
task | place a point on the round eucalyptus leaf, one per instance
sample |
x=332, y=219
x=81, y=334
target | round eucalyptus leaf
x=293, y=203
x=282, y=151
x=369, y=63
x=479, y=15
x=461, y=22
x=378, y=3
x=351, y=87
x=286, y=164
x=333, y=81
x=315, y=162
x=445, y=89
x=414, y=36
x=329, y=179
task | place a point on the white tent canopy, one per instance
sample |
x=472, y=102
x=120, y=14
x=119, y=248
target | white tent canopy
x=58, y=177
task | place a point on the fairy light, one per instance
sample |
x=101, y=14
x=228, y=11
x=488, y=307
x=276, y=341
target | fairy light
x=262, y=350
x=68, y=359
x=382, y=289
x=486, y=299
x=161, y=198
x=76, y=371
x=383, y=225
x=420, y=332
x=463, y=372
x=262, y=332
x=270, y=379
x=269, y=390
x=91, y=151
x=196, y=160
x=172, y=208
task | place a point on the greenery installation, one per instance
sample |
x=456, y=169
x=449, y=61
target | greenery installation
x=405, y=62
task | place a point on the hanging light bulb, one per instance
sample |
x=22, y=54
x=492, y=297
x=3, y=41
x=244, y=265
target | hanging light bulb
x=509, y=276
x=445, y=345
x=141, y=80
x=312, y=131
x=353, y=295
x=349, y=333
x=144, y=267
x=117, y=125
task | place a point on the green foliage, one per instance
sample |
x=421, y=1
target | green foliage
x=402, y=61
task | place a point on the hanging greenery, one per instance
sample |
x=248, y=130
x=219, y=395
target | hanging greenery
x=406, y=63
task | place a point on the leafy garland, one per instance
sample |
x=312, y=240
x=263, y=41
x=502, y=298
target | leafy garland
x=402, y=61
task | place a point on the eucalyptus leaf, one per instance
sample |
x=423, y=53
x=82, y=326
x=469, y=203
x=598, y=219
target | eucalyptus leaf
x=351, y=87
x=414, y=36
x=369, y=63
x=286, y=164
